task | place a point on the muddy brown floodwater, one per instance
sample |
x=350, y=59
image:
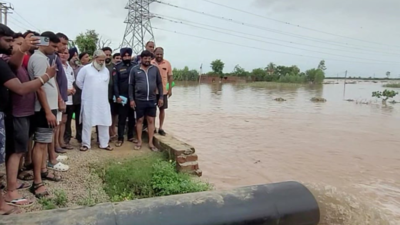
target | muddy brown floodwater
x=347, y=153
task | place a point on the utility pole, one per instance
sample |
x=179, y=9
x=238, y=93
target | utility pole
x=138, y=25
x=4, y=10
x=344, y=86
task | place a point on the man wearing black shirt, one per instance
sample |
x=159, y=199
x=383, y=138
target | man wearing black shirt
x=9, y=82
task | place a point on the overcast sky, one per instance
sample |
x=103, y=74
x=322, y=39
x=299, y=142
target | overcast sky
x=370, y=43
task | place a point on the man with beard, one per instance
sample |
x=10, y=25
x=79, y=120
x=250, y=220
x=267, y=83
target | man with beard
x=8, y=81
x=93, y=80
x=145, y=81
x=166, y=74
x=121, y=89
x=110, y=66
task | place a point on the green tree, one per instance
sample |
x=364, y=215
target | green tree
x=315, y=76
x=388, y=74
x=270, y=68
x=185, y=74
x=87, y=42
x=239, y=71
x=258, y=74
x=218, y=67
x=321, y=65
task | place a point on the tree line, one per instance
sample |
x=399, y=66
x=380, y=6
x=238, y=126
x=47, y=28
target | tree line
x=271, y=73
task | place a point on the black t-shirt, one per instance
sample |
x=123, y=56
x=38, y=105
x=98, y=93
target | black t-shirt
x=6, y=74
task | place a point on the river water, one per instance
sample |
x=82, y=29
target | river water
x=347, y=153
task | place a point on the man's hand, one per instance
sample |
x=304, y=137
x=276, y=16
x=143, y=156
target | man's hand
x=51, y=120
x=71, y=91
x=133, y=104
x=170, y=93
x=61, y=106
x=51, y=71
x=119, y=100
x=160, y=102
x=29, y=42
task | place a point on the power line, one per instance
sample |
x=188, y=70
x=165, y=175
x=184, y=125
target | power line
x=298, y=26
x=27, y=22
x=180, y=21
x=268, y=50
x=256, y=26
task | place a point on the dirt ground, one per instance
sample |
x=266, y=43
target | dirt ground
x=80, y=184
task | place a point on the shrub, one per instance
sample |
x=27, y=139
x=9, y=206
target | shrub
x=144, y=177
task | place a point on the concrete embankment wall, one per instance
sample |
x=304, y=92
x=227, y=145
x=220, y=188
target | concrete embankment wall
x=183, y=153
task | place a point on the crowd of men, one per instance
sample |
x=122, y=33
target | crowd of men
x=43, y=85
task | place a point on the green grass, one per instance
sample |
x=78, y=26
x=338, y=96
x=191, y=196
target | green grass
x=146, y=176
x=392, y=85
x=59, y=200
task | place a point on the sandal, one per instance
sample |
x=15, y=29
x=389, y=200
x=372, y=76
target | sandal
x=133, y=140
x=18, y=202
x=119, y=143
x=27, y=167
x=154, y=149
x=84, y=149
x=45, y=176
x=14, y=210
x=60, y=151
x=68, y=147
x=35, y=187
x=108, y=148
x=2, y=186
x=25, y=175
x=58, y=167
x=138, y=146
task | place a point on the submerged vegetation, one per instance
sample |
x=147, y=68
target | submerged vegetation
x=392, y=85
x=144, y=177
x=271, y=73
x=384, y=95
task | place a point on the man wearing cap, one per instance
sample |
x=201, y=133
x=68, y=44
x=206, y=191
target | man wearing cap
x=121, y=91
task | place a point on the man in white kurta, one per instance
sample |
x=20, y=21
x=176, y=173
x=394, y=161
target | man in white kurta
x=93, y=80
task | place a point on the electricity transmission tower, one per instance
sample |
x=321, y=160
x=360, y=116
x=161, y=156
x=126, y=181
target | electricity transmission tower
x=4, y=11
x=138, y=25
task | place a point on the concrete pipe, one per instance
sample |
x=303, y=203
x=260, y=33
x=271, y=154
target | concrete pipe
x=287, y=203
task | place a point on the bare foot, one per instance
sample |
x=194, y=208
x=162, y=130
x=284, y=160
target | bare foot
x=6, y=209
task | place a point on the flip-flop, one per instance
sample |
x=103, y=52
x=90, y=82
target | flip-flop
x=15, y=202
x=60, y=150
x=14, y=210
x=25, y=175
x=23, y=186
x=68, y=147
x=133, y=140
x=108, y=148
x=84, y=149
x=137, y=146
x=154, y=149
x=119, y=144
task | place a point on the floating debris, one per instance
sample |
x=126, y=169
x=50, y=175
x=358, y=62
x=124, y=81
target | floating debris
x=317, y=99
x=351, y=82
x=350, y=100
x=280, y=99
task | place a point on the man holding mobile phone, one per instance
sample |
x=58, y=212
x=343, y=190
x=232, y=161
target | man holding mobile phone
x=46, y=108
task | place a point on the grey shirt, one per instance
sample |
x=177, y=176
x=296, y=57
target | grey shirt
x=144, y=83
x=37, y=66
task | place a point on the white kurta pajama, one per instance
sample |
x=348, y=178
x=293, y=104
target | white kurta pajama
x=95, y=108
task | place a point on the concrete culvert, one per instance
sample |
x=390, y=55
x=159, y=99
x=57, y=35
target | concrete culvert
x=286, y=203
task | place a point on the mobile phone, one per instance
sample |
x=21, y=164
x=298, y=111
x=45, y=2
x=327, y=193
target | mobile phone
x=44, y=41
